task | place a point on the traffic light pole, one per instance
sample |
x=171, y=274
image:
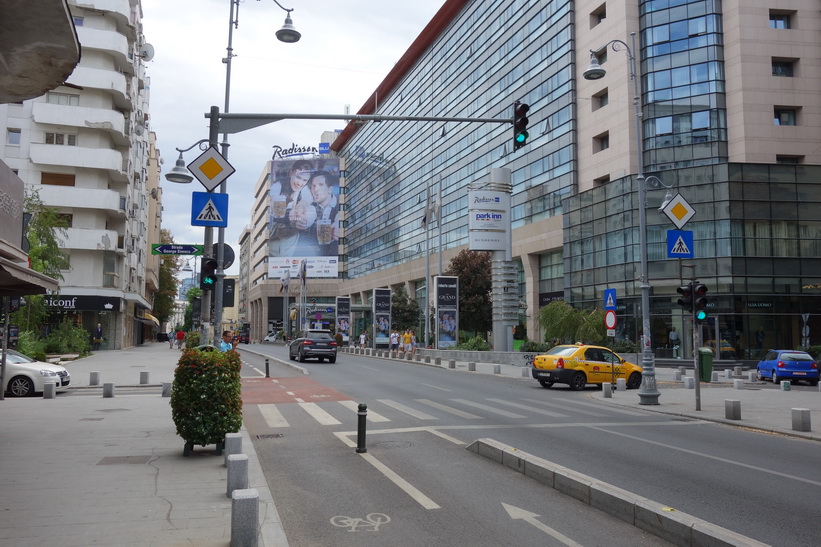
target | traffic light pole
x=696, y=361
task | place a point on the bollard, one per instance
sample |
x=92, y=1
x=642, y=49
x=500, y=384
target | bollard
x=108, y=390
x=728, y=373
x=437, y=361
x=49, y=390
x=525, y=372
x=237, y=473
x=801, y=419
x=143, y=377
x=738, y=384
x=451, y=364
x=607, y=388
x=497, y=369
x=408, y=356
x=683, y=371
x=94, y=379
x=245, y=518
x=732, y=409
x=714, y=376
x=233, y=445
x=689, y=382
x=427, y=359
x=736, y=371
x=677, y=375
x=785, y=385
x=751, y=376
x=360, y=430
x=621, y=384
x=267, y=371
x=472, y=367
x=417, y=358
x=166, y=389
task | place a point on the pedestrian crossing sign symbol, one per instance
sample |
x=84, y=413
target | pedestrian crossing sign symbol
x=679, y=244
x=209, y=209
x=609, y=299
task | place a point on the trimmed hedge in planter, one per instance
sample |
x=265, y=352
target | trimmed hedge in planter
x=206, y=397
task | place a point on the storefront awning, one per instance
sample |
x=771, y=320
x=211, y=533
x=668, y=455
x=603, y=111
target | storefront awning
x=17, y=280
x=151, y=318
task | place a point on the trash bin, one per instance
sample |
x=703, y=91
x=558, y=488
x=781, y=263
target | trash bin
x=705, y=364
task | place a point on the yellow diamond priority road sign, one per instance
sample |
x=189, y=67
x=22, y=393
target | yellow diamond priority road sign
x=211, y=168
x=679, y=211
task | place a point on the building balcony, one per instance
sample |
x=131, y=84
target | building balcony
x=119, y=10
x=83, y=198
x=91, y=240
x=105, y=80
x=111, y=121
x=109, y=41
x=79, y=156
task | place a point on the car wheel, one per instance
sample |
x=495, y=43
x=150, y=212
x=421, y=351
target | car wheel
x=813, y=382
x=759, y=375
x=20, y=386
x=320, y=359
x=634, y=381
x=301, y=357
x=578, y=381
x=332, y=359
x=775, y=377
x=545, y=384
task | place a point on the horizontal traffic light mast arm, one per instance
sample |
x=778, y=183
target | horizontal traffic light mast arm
x=238, y=122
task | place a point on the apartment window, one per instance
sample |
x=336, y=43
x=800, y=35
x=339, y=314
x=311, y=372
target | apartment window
x=664, y=126
x=66, y=220
x=784, y=116
x=779, y=20
x=789, y=160
x=65, y=99
x=109, y=269
x=600, y=99
x=598, y=15
x=601, y=180
x=783, y=68
x=61, y=138
x=601, y=142
x=56, y=179
x=700, y=120
x=78, y=21
x=13, y=136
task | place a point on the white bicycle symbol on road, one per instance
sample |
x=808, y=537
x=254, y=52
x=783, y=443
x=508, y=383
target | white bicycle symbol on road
x=371, y=522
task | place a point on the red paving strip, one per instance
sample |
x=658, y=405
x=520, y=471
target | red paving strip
x=258, y=391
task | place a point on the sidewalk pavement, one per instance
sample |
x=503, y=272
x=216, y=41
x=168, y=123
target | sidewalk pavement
x=81, y=469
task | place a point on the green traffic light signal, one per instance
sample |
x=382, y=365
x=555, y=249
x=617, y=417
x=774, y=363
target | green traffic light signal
x=701, y=315
x=520, y=121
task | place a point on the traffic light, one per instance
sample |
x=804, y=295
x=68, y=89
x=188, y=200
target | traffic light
x=700, y=301
x=686, y=300
x=520, y=122
x=208, y=274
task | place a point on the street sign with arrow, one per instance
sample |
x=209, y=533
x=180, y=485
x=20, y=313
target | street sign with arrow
x=173, y=249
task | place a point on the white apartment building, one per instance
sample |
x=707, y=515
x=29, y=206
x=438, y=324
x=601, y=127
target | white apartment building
x=85, y=148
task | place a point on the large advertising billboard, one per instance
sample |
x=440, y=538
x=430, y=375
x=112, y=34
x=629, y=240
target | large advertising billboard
x=343, y=317
x=303, y=217
x=382, y=318
x=446, y=297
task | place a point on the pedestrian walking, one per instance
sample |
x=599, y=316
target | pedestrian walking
x=180, y=339
x=170, y=339
x=97, y=337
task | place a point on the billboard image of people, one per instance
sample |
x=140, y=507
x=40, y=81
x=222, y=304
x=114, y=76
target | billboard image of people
x=447, y=328
x=304, y=216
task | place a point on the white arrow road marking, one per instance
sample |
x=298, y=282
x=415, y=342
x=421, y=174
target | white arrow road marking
x=531, y=518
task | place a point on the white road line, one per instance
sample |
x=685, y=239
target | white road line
x=489, y=409
x=409, y=489
x=558, y=405
x=530, y=408
x=372, y=416
x=319, y=415
x=407, y=410
x=610, y=408
x=437, y=387
x=450, y=410
x=273, y=417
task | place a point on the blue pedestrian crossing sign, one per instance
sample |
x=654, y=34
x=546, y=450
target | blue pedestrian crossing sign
x=609, y=299
x=209, y=209
x=679, y=244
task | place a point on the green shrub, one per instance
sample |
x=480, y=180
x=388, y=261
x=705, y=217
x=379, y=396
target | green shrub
x=535, y=347
x=206, y=396
x=67, y=338
x=477, y=343
x=623, y=346
x=30, y=344
x=192, y=339
x=815, y=351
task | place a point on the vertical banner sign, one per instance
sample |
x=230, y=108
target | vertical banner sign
x=343, y=318
x=382, y=318
x=447, y=310
x=488, y=220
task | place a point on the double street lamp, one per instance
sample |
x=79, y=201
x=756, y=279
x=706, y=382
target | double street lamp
x=648, y=392
x=180, y=174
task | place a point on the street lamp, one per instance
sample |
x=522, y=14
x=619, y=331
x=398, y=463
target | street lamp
x=648, y=392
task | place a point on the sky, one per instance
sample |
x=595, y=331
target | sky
x=346, y=50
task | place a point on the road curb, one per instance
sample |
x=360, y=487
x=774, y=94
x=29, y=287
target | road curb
x=662, y=521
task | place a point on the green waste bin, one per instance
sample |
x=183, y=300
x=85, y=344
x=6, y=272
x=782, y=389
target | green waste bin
x=705, y=364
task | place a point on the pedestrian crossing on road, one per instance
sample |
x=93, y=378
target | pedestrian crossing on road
x=333, y=413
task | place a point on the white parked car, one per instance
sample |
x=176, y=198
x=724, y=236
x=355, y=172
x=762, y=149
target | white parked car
x=26, y=376
x=272, y=337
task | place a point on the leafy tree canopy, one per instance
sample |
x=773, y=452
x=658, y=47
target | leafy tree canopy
x=404, y=309
x=475, y=307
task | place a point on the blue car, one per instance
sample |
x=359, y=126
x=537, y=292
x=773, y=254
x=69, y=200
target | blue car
x=788, y=364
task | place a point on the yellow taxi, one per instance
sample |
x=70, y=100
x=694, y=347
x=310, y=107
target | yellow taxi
x=578, y=365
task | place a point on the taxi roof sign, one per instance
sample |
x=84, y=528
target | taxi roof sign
x=679, y=211
x=211, y=168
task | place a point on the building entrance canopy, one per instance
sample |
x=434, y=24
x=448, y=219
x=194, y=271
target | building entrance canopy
x=17, y=280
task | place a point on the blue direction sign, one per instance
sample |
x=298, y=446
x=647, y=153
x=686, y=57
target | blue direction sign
x=679, y=244
x=209, y=209
x=166, y=249
x=609, y=299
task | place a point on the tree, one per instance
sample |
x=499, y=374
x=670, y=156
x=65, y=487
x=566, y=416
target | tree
x=475, y=307
x=166, y=295
x=560, y=321
x=404, y=309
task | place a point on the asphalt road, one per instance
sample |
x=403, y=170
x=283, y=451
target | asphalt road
x=418, y=475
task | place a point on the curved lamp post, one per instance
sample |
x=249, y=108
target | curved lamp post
x=648, y=392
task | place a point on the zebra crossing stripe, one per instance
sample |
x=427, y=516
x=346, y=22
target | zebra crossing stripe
x=530, y=408
x=489, y=409
x=372, y=416
x=407, y=410
x=318, y=414
x=450, y=410
x=273, y=417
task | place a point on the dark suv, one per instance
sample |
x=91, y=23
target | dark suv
x=313, y=344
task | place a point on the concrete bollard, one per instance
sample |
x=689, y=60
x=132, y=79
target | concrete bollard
x=94, y=379
x=689, y=382
x=437, y=361
x=736, y=371
x=621, y=384
x=607, y=389
x=417, y=358
x=738, y=384
x=237, y=473
x=408, y=356
x=497, y=369
x=166, y=389
x=49, y=390
x=108, y=390
x=728, y=373
x=732, y=409
x=751, y=376
x=143, y=377
x=245, y=518
x=233, y=445
x=427, y=359
x=451, y=364
x=526, y=372
x=801, y=419
x=785, y=385
x=714, y=376
x=471, y=367
x=677, y=376
x=683, y=371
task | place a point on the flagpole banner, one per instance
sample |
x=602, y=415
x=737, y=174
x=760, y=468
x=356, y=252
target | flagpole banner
x=303, y=217
x=343, y=317
x=382, y=318
x=446, y=298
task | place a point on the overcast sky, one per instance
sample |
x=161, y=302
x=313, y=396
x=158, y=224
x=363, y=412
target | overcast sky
x=346, y=50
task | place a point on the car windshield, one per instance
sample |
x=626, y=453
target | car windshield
x=17, y=358
x=796, y=357
x=319, y=336
x=562, y=350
